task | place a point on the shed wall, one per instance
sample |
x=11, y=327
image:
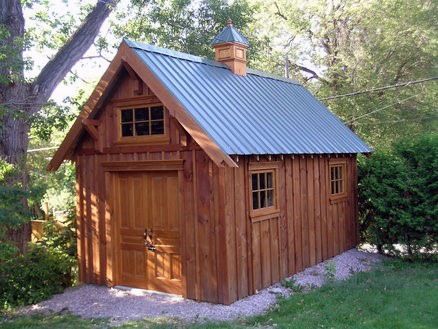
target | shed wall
x=309, y=228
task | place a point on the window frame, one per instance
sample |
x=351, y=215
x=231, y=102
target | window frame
x=266, y=212
x=343, y=165
x=149, y=139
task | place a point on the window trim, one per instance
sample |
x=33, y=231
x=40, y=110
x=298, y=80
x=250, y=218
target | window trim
x=267, y=212
x=145, y=139
x=343, y=165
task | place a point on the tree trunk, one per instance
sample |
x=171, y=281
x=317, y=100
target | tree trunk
x=20, y=100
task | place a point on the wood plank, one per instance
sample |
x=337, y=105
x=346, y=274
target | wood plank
x=95, y=233
x=304, y=213
x=256, y=256
x=324, y=204
x=336, y=247
x=249, y=229
x=230, y=238
x=298, y=240
x=274, y=239
x=317, y=208
x=281, y=224
x=242, y=261
x=189, y=222
x=290, y=216
x=222, y=238
x=265, y=250
x=80, y=219
x=311, y=210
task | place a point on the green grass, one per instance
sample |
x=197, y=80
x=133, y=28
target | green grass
x=397, y=295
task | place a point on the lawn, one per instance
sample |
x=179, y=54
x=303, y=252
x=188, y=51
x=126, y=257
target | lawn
x=395, y=295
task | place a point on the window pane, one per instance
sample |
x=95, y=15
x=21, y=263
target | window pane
x=254, y=179
x=142, y=128
x=127, y=129
x=262, y=199
x=269, y=178
x=157, y=113
x=332, y=189
x=270, y=197
x=127, y=115
x=157, y=127
x=262, y=179
x=255, y=200
x=141, y=114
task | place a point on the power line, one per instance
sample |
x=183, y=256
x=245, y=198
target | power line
x=402, y=84
x=382, y=108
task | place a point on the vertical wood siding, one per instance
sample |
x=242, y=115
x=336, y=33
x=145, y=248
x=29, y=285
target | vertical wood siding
x=226, y=254
x=309, y=229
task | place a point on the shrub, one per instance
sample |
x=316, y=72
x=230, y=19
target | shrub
x=398, y=194
x=34, y=276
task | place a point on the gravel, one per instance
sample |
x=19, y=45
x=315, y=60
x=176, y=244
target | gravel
x=120, y=305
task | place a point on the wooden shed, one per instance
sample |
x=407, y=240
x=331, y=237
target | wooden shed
x=206, y=178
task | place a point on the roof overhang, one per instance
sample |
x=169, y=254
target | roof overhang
x=127, y=56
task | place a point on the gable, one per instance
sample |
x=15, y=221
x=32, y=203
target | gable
x=126, y=60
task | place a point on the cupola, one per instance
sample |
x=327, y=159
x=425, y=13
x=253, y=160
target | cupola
x=230, y=48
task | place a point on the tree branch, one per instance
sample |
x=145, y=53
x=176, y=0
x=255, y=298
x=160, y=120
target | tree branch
x=279, y=13
x=56, y=69
x=314, y=75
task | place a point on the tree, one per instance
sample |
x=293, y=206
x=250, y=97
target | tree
x=337, y=47
x=21, y=99
x=185, y=25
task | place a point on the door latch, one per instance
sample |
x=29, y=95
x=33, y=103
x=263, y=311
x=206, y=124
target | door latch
x=148, y=239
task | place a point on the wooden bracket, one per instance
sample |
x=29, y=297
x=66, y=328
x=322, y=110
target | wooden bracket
x=134, y=76
x=90, y=127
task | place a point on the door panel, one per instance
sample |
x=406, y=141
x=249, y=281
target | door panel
x=148, y=200
x=164, y=263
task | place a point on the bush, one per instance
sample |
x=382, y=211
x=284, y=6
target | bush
x=34, y=276
x=398, y=196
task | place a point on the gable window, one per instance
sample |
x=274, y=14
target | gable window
x=262, y=189
x=142, y=121
x=337, y=178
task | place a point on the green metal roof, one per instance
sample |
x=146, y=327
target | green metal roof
x=254, y=114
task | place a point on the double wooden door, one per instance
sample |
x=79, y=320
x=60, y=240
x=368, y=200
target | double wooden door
x=147, y=230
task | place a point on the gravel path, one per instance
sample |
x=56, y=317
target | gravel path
x=92, y=301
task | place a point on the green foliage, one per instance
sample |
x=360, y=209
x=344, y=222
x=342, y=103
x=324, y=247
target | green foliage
x=185, y=25
x=60, y=237
x=292, y=285
x=398, y=199
x=34, y=276
x=339, y=47
x=330, y=271
x=13, y=211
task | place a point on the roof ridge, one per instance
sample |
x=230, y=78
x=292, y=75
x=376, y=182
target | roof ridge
x=202, y=60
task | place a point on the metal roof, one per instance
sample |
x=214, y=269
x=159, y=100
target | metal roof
x=253, y=114
x=230, y=34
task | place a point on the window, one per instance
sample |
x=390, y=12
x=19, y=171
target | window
x=337, y=179
x=142, y=121
x=263, y=190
